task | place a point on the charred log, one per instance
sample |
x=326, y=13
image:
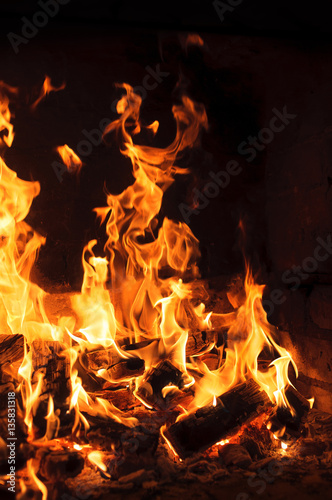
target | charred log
x=211, y=424
x=127, y=369
x=164, y=374
x=47, y=358
x=11, y=348
x=60, y=463
x=289, y=424
x=200, y=340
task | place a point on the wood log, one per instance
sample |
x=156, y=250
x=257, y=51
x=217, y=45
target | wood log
x=125, y=441
x=235, y=454
x=285, y=424
x=117, y=368
x=11, y=348
x=208, y=425
x=150, y=391
x=58, y=464
x=127, y=369
x=105, y=358
x=200, y=340
x=197, y=341
x=99, y=359
x=46, y=358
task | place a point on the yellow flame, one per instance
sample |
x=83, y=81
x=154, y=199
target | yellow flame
x=41, y=486
x=45, y=90
x=96, y=458
x=70, y=159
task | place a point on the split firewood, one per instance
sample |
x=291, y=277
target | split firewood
x=47, y=358
x=197, y=341
x=116, y=367
x=127, y=369
x=208, y=425
x=99, y=359
x=285, y=424
x=162, y=375
x=102, y=358
x=125, y=441
x=200, y=340
x=11, y=348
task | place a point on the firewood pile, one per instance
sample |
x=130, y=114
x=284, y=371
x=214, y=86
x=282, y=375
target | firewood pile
x=230, y=444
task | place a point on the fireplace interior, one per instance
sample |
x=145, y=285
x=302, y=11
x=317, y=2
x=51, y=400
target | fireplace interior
x=165, y=254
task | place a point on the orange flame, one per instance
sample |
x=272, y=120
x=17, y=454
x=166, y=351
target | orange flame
x=45, y=90
x=143, y=289
x=70, y=159
x=5, y=114
x=40, y=485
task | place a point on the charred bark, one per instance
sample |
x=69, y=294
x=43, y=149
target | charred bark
x=211, y=424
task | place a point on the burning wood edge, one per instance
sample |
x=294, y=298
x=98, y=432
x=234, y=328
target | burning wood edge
x=11, y=348
x=118, y=369
x=161, y=376
x=283, y=423
x=103, y=358
x=46, y=357
x=211, y=424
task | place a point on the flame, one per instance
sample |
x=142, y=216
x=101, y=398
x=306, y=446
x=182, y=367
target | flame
x=53, y=421
x=140, y=288
x=45, y=90
x=169, y=444
x=40, y=486
x=5, y=114
x=191, y=39
x=248, y=335
x=96, y=458
x=70, y=159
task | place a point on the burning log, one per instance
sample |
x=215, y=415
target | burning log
x=11, y=348
x=46, y=356
x=211, y=424
x=235, y=454
x=99, y=359
x=60, y=463
x=164, y=374
x=117, y=368
x=198, y=341
x=286, y=424
x=105, y=358
x=127, y=369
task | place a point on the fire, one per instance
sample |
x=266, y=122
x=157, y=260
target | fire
x=40, y=486
x=45, y=90
x=70, y=159
x=143, y=289
x=5, y=114
x=96, y=458
x=247, y=336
